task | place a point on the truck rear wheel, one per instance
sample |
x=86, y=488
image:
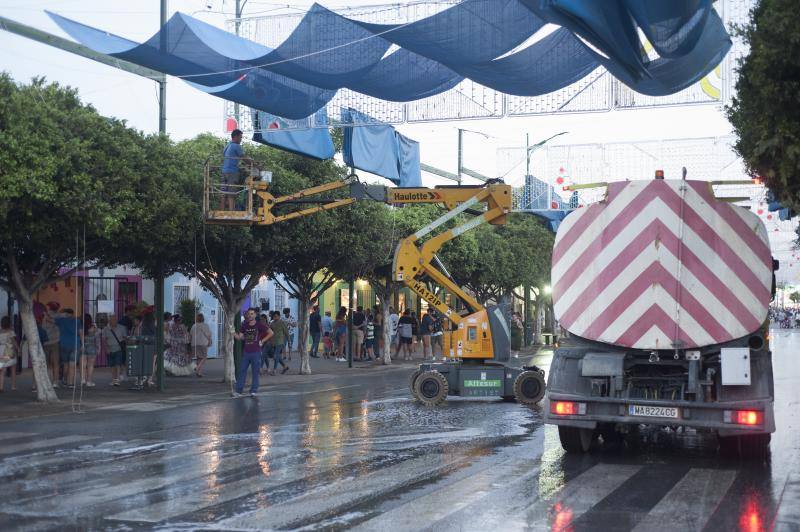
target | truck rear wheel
x=529, y=387
x=575, y=440
x=431, y=388
x=412, y=381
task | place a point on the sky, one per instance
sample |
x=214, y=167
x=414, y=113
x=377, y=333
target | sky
x=190, y=112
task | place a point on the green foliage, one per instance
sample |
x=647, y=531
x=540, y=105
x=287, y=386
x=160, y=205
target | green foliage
x=766, y=110
x=65, y=172
x=795, y=297
x=493, y=260
x=188, y=310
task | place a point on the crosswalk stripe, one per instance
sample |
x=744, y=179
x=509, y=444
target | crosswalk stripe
x=577, y=497
x=185, y=504
x=690, y=503
x=42, y=444
x=97, y=462
x=112, y=489
x=328, y=499
x=454, y=497
x=11, y=435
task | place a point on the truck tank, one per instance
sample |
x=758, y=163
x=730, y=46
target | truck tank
x=664, y=291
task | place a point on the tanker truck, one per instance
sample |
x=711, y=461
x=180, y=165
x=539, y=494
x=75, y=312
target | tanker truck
x=663, y=292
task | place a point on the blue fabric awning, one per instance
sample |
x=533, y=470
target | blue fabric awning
x=493, y=42
x=315, y=142
x=380, y=150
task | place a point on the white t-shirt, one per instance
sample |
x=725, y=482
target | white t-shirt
x=393, y=320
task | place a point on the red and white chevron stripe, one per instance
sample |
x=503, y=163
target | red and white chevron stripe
x=661, y=264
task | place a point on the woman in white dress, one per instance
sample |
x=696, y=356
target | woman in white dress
x=177, y=358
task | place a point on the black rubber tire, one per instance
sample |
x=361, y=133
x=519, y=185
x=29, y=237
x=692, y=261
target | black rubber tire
x=728, y=447
x=412, y=381
x=751, y=447
x=529, y=387
x=754, y=447
x=431, y=388
x=633, y=438
x=575, y=440
x=611, y=436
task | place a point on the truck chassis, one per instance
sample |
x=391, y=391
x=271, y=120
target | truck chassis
x=596, y=390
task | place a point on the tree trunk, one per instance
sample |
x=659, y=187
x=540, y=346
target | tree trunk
x=386, y=355
x=44, y=388
x=302, y=335
x=537, y=334
x=228, y=337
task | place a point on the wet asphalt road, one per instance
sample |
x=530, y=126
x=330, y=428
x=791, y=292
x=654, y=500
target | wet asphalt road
x=360, y=454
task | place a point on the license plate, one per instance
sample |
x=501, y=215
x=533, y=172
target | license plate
x=652, y=411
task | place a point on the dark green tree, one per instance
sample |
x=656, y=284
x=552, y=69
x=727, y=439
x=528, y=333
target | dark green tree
x=765, y=113
x=66, y=174
x=316, y=249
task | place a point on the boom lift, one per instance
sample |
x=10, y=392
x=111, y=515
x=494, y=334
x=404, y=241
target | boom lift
x=476, y=341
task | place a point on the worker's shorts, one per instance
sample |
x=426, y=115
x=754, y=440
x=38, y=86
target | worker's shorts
x=228, y=179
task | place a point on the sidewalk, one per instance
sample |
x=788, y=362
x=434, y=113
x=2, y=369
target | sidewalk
x=22, y=403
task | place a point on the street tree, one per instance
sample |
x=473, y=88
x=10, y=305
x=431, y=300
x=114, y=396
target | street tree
x=67, y=178
x=311, y=247
x=764, y=113
x=370, y=248
x=497, y=259
x=227, y=261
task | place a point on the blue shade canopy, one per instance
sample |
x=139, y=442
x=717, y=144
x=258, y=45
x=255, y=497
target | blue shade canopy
x=408, y=162
x=380, y=150
x=313, y=142
x=493, y=42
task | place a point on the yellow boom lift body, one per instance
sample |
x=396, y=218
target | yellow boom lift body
x=476, y=340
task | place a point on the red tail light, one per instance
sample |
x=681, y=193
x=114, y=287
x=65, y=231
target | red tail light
x=749, y=417
x=567, y=408
x=563, y=408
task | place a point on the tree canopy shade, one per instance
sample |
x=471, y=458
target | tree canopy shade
x=766, y=110
x=66, y=174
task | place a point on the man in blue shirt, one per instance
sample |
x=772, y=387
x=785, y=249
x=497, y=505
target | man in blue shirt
x=231, y=155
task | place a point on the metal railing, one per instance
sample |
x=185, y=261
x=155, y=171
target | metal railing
x=229, y=198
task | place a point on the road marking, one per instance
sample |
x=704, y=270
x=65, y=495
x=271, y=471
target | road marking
x=67, y=503
x=577, y=497
x=42, y=443
x=788, y=517
x=454, y=497
x=690, y=503
x=337, y=496
x=180, y=505
x=10, y=435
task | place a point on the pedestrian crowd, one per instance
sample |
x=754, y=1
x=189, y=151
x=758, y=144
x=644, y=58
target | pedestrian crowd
x=785, y=318
x=72, y=344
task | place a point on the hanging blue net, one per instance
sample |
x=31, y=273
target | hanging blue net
x=501, y=44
